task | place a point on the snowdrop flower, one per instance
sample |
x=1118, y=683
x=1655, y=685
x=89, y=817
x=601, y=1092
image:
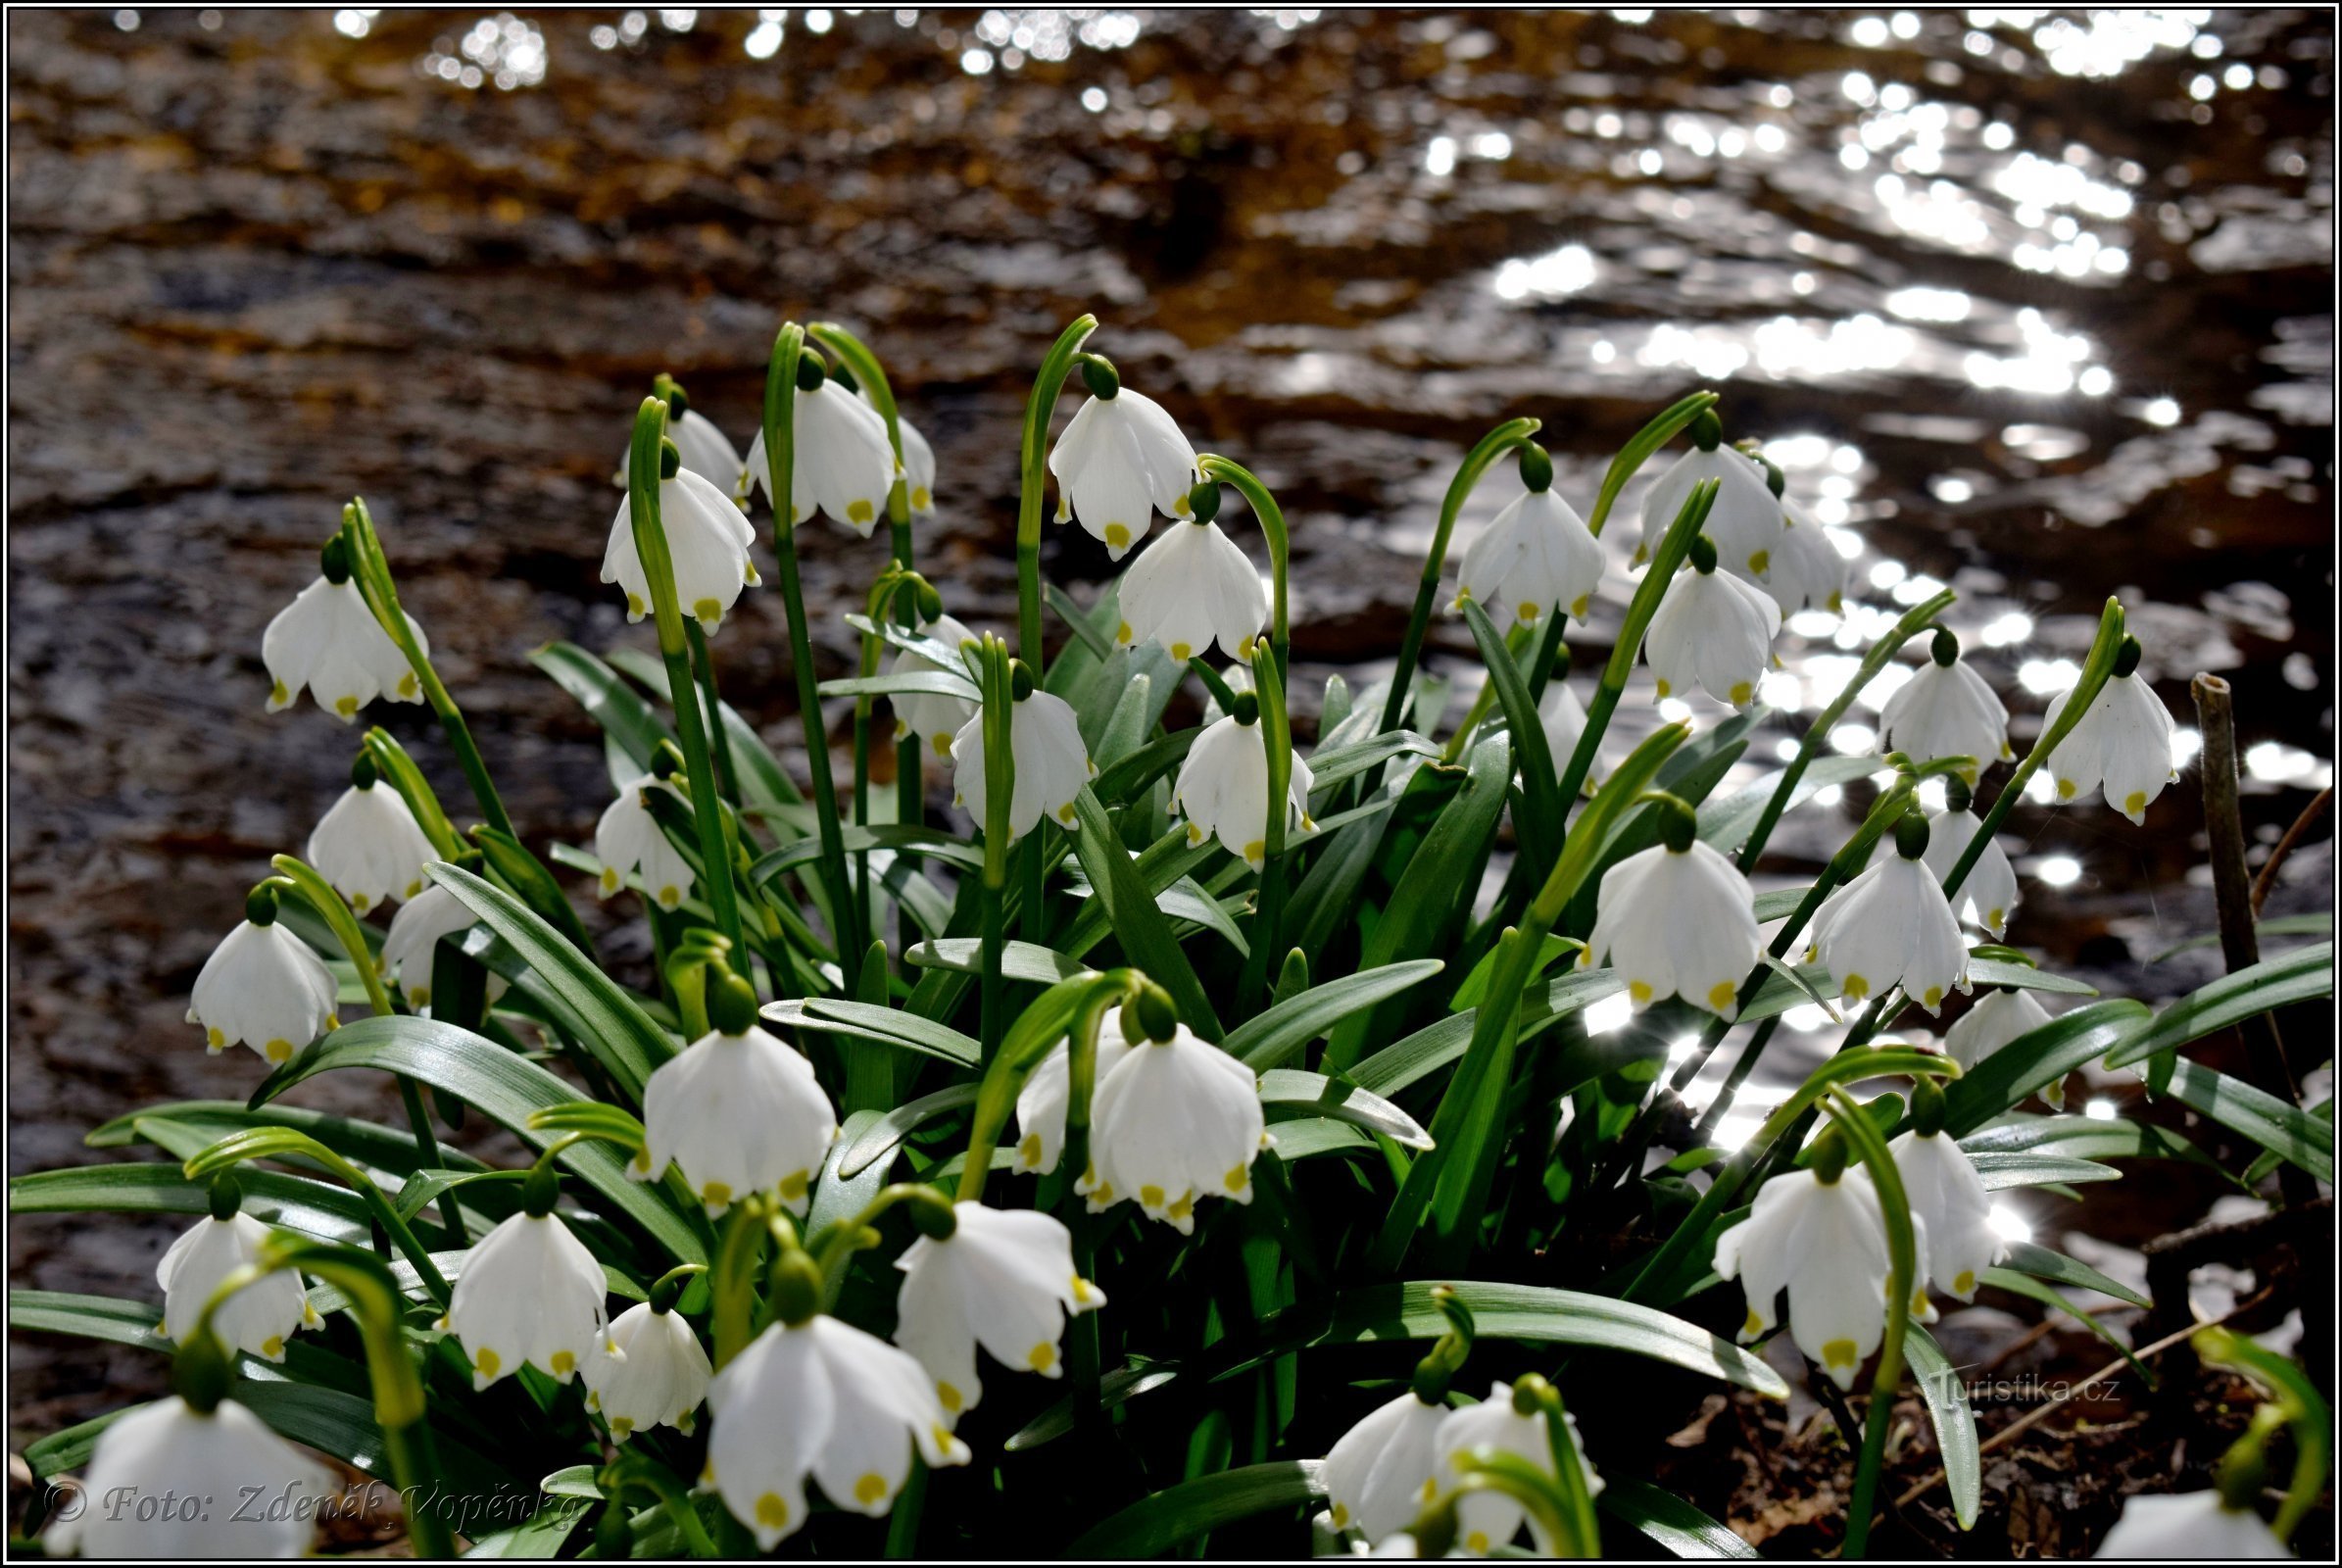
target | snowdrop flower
x=1121, y=460
x=1041, y=1104
x=629, y=839
x=370, y=846
x=328, y=641
x=1747, y=521
x=1381, y=1472
x=820, y=1397
x=845, y=465
x=1805, y=568
x=938, y=715
x=707, y=537
x=1178, y=1118
x=659, y=1375
x=1223, y=787
x=529, y=1293
x=1192, y=587
x=224, y=1453
x=705, y=449
x=1948, y=1196
x=1676, y=919
x=259, y=1318
x=739, y=1111
x=1945, y=710
x=1002, y=1278
x=2191, y=1525
x=1891, y=926
x=1712, y=628
x=1052, y=765
x=1988, y=893
x=2001, y=1015
x=263, y=987
x=412, y=945
x=1536, y=557
x=2122, y=746
x=1485, y=1520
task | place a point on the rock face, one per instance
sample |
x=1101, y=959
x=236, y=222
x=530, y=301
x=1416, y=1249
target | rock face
x=260, y=265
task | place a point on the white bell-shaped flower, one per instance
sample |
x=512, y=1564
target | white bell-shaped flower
x=918, y=465
x=937, y=716
x=1121, y=460
x=1747, y=521
x=259, y=1318
x=1223, y=788
x=1806, y=570
x=1712, y=628
x=1536, y=557
x=1676, y=919
x=740, y=1111
x=1041, y=1104
x=2122, y=746
x=707, y=537
x=1177, y=1119
x=821, y=1399
x=1945, y=710
x=658, y=1378
x=629, y=840
x=703, y=446
x=1825, y=1240
x=1191, y=588
x=328, y=641
x=1487, y=1520
x=1052, y=765
x=370, y=846
x=263, y=987
x=226, y=1455
x=2001, y=1015
x=845, y=465
x=1382, y=1472
x=2189, y=1527
x=1948, y=1196
x=1563, y=718
x=1988, y=893
x=531, y=1293
x=1891, y=926
x=412, y=948
x=1003, y=1279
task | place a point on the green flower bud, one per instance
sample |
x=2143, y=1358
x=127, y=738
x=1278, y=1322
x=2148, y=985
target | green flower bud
x=1100, y=375
x=1957, y=796
x=669, y=391
x=227, y=1195
x=1537, y=467
x=932, y=1213
x=1204, y=502
x=667, y=1292
x=1944, y=648
x=930, y=602
x=812, y=371
x=732, y=1006
x=1703, y=555
x=1246, y=711
x=2126, y=662
x=1679, y=825
x=839, y=373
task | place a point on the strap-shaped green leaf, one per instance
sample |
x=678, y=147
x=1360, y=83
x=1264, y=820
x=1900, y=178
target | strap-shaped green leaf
x=1316, y=1094
x=1955, y=1423
x=2287, y=1131
x=296, y=1202
x=1270, y=1036
x=1154, y=1524
x=2302, y=975
x=2025, y=1257
x=1668, y=1520
x=2031, y=1062
x=1141, y=927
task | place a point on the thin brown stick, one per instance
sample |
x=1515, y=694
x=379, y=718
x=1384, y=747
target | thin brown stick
x=2319, y=806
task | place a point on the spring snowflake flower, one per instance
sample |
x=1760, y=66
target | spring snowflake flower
x=412, y=946
x=529, y=1293
x=328, y=641
x=703, y=446
x=1712, y=628
x=657, y=1377
x=1178, y=1118
x=1747, y=521
x=1003, y=1279
x=1988, y=893
x=845, y=465
x=1223, y=788
x=1945, y=710
x=1121, y=460
x=1948, y=1196
x=1806, y=568
x=259, y=1318
x=821, y=1399
x=629, y=839
x=918, y=466
x=1381, y=1472
x=263, y=987
x=1485, y=1520
x=2192, y=1526
x=169, y=1448
x=1189, y=588
x=1891, y=926
x=707, y=537
x=2122, y=746
x=2001, y=1015
x=938, y=715
x=739, y=1111
x=1040, y=1105
x=1563, y=718
x=369, y=847
x=1676, y=919
x=1536, y=557
x=1052, y=765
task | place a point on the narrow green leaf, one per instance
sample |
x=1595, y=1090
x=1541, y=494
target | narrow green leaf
x=1668, y=1520
x=890, y=1026
x=1270, y=1036
x=2024, y=1258
x=1284, y=1089
x=1019, y=960
x=2283, y=1130
x=2031, y=1062
x=875, y=1138
x=2026, y=1170
x=624, y=717
x=1140, y=928
x=1955, y=1423
x=2302, y=975
x=1154, y=1524
x=2281, y=925
x=296, y=1202
x=2024, y=977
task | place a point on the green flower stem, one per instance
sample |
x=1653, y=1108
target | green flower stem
x=638, y=1473
x=1901, y=1278
x=780, y=457
x=395, y=765
x=674, y=650
x=281, y=1143
x=1517, y=643
x=1583, y=1535
x=999, y=785
x=719, y=745
x=2297, y=1401
x=732, y=1279
x=1271, y=517
x=1882, y=650
x=1507, y=1475
x=1032, y=471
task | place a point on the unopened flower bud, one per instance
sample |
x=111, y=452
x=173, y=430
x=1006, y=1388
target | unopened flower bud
x=1100, y=377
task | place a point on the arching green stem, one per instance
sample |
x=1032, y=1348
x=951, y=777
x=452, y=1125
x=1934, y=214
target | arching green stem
x=999, y=786
x=1032, y=472
x=285, y=1142
x=1902, y=1281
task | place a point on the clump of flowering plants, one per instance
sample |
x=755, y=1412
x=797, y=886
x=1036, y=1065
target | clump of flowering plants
x=1068, y=1171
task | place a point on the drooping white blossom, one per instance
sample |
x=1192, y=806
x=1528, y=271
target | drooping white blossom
x=1891, y=926
x=1805, y=569
x=1177, y=1119
x=1715, y=630
x=937, y=716
x=1003, y=1279
x=657, y=1377
x=2190, y=1527
x=707, y=537
x=1041, y=1104
x=1223, y=788
x=369, y=847
x=266, y=988
x=529, y=1294
x=1536, y=557
x=1120, y=460
x=227, y=1456
x=703, y=446
x=2001, y=1015
x=1825, y=1243
x=1946, y=709
x=1052, y=765
x=1485, y=1520
x=1677, y=923
x=629, y=840
x=845, y=465
x=1563, y=718
x=257, y=1320
x=412, y=946
x=329, y=642
x=740, y=1113
x=1189, y=588
x=1746, y=523
x=1382, y=1472
x=1948, y=1197
x=2122, y=747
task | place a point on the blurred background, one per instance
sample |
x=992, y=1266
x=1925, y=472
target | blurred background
x=2037, y=304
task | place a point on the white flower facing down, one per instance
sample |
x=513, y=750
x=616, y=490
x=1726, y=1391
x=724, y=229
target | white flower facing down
x=2001, y=1015
x=1536, y=557
x=412, y=946
x=169, y=1447
x=1191, y=588
x=1223, y=788
x=918, y=465
x=2191, y=1525
x=1806, y=568
x=1988, y=893
x=1563, y=718
x=845, y=465
x=1677, y=923
x=1825, y=1243
x=328, y=641
x=1485, y=1520
x=1121, y=460
x=1052, y=765
x=740, y=1113
x=266, y=988
x=2123, y=747
x=1945, y=710
x=703, y=446
x=1041, y=1104
x=1176, y=1120
x=1715, y=630
x=1003, y=1279
x=259, y=1318
x=1382, y=1472
x=1948, y=1197
x=1746, y=522
x=628, y=839
x=370, y=847
x=531, y=1293
x=707, y=537
x=1891, y=926
x=936, y=715
x=657, y=1377
x=820, y=1399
